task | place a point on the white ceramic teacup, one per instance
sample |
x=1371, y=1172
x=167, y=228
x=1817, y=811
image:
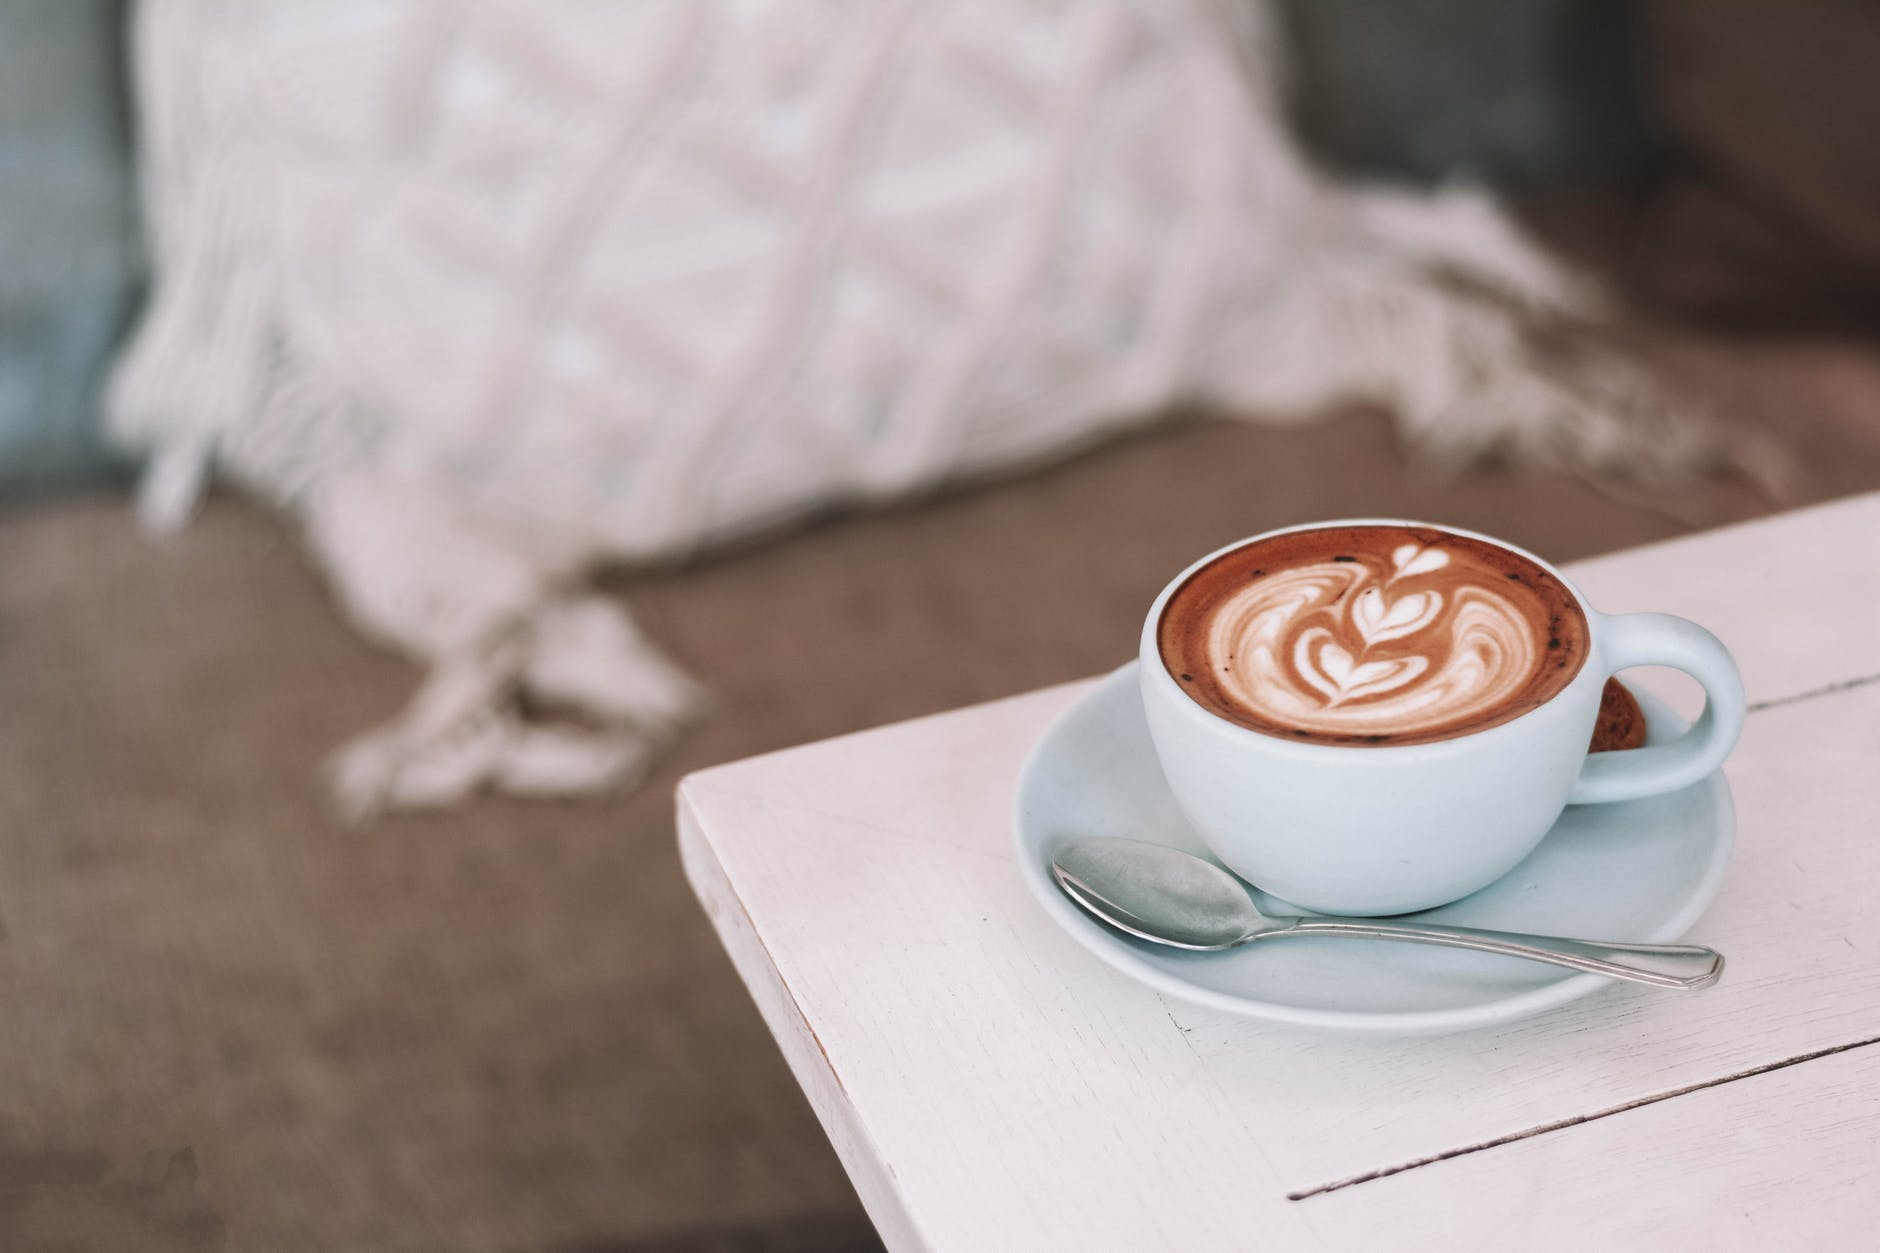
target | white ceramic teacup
x=1388, y=829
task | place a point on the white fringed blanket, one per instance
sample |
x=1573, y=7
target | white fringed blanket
x=488, y=294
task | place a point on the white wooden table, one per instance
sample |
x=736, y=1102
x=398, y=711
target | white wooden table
x=990, y=1085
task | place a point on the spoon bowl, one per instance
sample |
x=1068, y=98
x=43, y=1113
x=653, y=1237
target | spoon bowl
x=1157, y=893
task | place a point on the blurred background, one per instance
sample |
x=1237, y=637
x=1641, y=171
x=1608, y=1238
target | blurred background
x=239, y=1021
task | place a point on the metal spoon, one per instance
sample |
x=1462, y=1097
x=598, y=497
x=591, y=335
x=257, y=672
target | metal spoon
x=1170, y=897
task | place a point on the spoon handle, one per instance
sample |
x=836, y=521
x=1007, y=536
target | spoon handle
x=1670, y=965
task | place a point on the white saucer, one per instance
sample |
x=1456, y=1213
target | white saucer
x=1635, y=870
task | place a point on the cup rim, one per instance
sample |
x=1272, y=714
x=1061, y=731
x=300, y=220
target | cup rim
x=1155, y=670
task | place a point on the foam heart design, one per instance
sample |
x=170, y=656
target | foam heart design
x=1338, y=677
x=1379, y=620
x=1413, y=559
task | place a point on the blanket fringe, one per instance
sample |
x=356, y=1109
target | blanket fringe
x=571, y=700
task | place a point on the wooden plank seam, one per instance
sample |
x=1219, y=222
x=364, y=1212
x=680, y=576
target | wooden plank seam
x=1561, y=1124
x=1831, y=689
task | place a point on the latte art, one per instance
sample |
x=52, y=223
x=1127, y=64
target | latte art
x=1372, y=635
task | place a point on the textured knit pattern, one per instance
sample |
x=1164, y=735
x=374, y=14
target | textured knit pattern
x=491, y=293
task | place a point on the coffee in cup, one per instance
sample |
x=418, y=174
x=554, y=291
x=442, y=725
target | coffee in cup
x=1371, y=635
x=1376, y=716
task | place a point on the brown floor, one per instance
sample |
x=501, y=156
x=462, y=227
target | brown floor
x=509, y=1027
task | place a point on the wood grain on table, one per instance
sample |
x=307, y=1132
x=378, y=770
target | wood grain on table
x=990, y=1085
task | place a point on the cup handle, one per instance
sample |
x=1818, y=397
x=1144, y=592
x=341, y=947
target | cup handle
x=1657, y=639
